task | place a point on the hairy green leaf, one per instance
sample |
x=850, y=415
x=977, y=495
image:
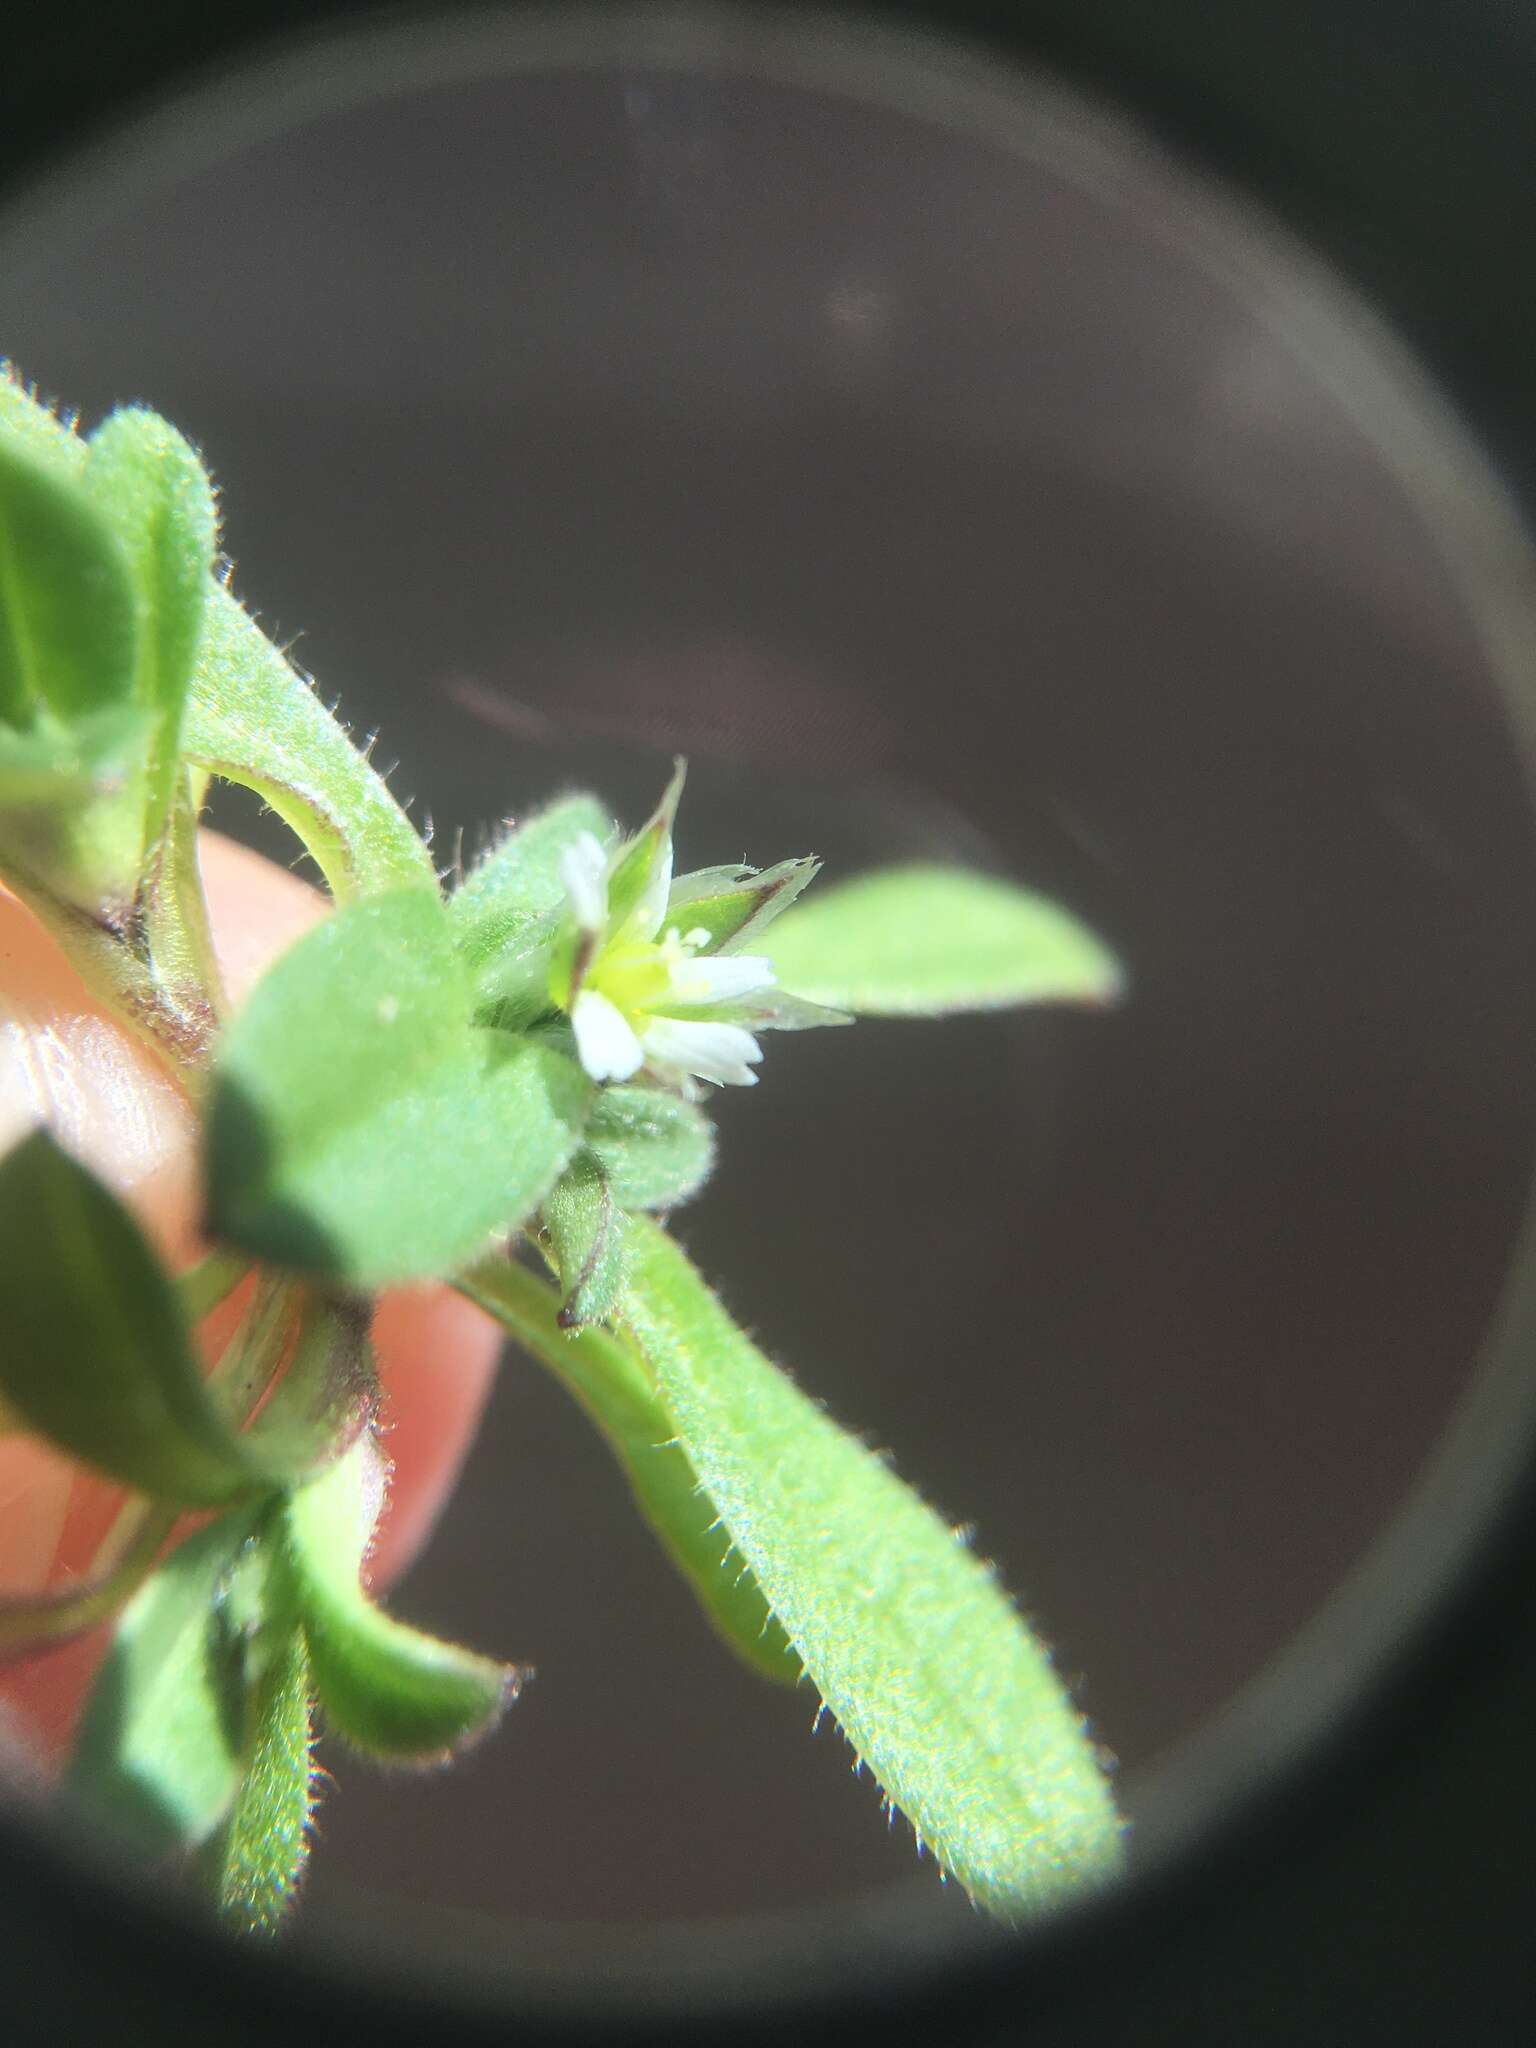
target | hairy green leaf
x=938, y=1684
x=392, y=1692
x=158, y=1755
x=94, y=1347
x=265, y=1842
x=29, y=424
x=613, y=1385
x=362, y=1129
x=250, y=719
x=68, y=616
x=734, y=906
x=155, y=493
x=586, y=1235
x=928, y=941
x=656, y=1149
x=506, y=911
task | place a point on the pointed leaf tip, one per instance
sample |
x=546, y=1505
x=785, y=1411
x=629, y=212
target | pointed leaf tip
x=933, y=1676
x=394, y=1693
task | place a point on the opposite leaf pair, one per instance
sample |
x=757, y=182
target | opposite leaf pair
x=199, y=1729
x=413, y=1087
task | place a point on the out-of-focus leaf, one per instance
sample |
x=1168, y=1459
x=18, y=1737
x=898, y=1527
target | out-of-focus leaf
x=29, y=1622
x=607, y=1376
x=362, y=1129
x=586, y=1234
x=389, y=1690
x=929, y=941
x=68, y=614
x=250, y=719
x=655, y=1149
x=158, y=1755
x=212, y=1280
x=938, y=1684
x=95, y=1353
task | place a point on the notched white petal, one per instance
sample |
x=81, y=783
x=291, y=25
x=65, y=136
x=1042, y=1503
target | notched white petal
x=584, y=871
x=605, y=1044
x=719, y=978
x=724, y=1053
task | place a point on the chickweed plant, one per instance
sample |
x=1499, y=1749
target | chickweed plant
x=502, y=1085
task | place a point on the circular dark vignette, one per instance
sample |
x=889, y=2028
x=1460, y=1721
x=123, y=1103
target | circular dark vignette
x=1376, y=1885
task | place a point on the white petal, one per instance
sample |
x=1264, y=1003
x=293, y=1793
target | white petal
x=584, y=871
x=605, y=1045
x=717, y=979
x=715, y=1052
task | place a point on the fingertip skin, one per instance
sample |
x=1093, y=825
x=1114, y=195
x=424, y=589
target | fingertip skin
x=65, y=1061
x=437, y=1357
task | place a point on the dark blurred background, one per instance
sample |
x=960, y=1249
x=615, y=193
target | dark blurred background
x=935, y=498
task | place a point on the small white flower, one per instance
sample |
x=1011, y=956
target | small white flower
x=637, y=998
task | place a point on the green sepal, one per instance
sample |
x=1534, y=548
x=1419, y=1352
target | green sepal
x=263, y=1846
x=95, y=1350
x=152, y=487
x=362, y=1129
x=506, y=914
x=925, y=941
x=767, y=1009
x=939, y=1686
x=637, y=865
x=586, y=1231
x=159, y=1750
x=733, y=906
x=251, y=719
x=392, y=1692
x=606, y=1375
x=655, y=1149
